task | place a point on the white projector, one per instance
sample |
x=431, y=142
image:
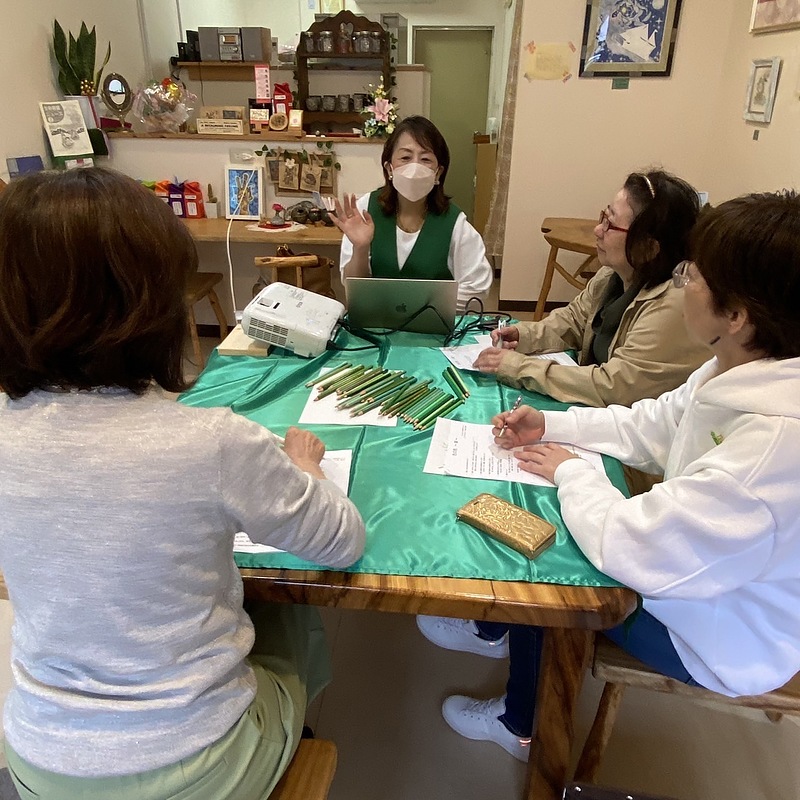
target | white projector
x=295, y=319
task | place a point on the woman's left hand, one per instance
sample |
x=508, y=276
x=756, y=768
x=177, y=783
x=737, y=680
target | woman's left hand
x=490, y=359
x=543, y=459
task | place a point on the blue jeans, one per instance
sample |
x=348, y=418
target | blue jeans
x=645, y=638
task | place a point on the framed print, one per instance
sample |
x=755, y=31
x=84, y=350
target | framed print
x=244, y=192
x=761, y=89
x=66, y=128
x=629, y=38
x=331, y=6
x=774, y=15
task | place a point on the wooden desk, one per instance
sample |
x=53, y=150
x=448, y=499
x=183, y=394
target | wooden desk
x=575, y=235
x=569, y=614
x=215, y=230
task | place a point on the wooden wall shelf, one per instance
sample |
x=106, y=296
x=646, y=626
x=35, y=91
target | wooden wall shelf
x=272, y=136
x=225, y=70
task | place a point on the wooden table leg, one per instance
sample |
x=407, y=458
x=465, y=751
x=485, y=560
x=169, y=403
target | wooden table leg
x=565, y=659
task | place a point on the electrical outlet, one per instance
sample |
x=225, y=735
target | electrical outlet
x=243, y=155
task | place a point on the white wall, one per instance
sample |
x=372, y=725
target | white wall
x=575, y=142
x=29, y=73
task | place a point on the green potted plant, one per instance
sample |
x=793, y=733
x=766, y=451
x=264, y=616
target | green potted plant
x=76, y=60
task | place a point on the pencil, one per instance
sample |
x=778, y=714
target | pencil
x=329, y=374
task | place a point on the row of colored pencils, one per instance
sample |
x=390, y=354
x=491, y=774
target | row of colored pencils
x=360, y=389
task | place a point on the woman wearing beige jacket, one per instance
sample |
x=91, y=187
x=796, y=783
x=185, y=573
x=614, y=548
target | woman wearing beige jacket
x=627, y=324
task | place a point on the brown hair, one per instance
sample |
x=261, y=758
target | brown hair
x=93, y=269
x=426, y=134
x=748, y=252
x=666, y=209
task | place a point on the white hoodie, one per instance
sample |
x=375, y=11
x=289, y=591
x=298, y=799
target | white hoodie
x=714, y=549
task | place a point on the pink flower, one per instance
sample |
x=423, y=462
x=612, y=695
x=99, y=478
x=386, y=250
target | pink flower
x=381, y=109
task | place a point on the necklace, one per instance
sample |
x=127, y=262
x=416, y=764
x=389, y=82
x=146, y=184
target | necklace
x=411, y=228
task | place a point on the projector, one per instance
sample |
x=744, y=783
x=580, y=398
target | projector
x=295, y=319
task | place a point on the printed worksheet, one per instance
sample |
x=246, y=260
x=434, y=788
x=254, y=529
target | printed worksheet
x=336, y=466
x=465, y=355
x=324, y=412
x=467, y=450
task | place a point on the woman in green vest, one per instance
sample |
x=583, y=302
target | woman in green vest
x=410, y=228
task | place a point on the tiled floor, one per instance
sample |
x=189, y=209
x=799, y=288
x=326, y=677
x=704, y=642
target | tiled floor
x=382, y=710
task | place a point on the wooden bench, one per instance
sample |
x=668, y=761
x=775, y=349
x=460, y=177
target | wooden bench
x=309, y=774
x=618, y=669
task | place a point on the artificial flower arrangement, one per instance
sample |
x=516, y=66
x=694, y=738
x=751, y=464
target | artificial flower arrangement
x=382, y=114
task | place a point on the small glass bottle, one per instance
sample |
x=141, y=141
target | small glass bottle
x=344, y=44
x=308, y=42
x=325, y=42
x=376, y=42
x=362, y=42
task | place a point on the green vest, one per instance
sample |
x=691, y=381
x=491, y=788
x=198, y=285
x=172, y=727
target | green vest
x=427, y=259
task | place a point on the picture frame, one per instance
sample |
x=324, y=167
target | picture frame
x=625, y=39
x=331, y=6
x=774, y=15
x=761, y=88
x=244, y=192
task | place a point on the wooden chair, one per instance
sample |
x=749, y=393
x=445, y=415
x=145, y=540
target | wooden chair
x=309, y=774
x=618, y=669
x=305, y=270
x=577, y=236
x=201, y=285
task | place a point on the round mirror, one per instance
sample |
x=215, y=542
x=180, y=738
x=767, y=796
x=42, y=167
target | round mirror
x=117, y=94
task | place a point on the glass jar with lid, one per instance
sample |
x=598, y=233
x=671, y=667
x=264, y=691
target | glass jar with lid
x=325, y=41
x=376, y=42
x=309, y=42
x=362, y=42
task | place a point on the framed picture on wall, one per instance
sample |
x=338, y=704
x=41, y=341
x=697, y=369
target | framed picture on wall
x=331, y=6
x=774, y=15
x=761, y=89
x=244, y=192
x=629, y=38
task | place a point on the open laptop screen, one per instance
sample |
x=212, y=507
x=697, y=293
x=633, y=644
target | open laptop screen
x=392, y=302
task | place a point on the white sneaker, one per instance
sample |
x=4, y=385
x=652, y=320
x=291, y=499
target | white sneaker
x=479, y=719
x=461, y=634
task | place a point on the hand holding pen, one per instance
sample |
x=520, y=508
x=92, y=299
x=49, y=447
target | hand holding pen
x=519, y=426
x=505, y=336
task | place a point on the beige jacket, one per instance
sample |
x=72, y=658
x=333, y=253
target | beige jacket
x=651, y=352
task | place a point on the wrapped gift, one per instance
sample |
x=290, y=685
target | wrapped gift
x=176, y=199
x=281, y=98
x=193, y=206
x=161, y=188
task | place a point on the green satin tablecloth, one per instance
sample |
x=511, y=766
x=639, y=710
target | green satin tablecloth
x=409, y=514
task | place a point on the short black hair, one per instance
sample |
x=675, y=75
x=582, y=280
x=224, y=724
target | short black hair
x=425, y=133
x=748, y=252
x=666, y=209
x=93, y=269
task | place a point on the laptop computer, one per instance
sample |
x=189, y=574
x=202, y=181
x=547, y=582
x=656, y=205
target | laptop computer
x=392, y=302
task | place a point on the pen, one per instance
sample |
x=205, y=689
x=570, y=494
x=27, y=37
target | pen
x=499, y=342
x=516, y=405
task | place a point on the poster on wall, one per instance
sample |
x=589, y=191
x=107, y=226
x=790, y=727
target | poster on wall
x=629, y=38
x=761, y=88
x=774, y=15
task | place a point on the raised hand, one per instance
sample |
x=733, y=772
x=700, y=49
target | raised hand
x=357, y=226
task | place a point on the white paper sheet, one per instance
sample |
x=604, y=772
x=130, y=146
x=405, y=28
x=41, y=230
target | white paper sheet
x=465, y=355
x=336, y=466
x=467, y=450
x=324, y=412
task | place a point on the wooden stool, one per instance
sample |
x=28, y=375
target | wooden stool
x=618, y=669
x=310, y=772
x=201, y=285
x=577, y=236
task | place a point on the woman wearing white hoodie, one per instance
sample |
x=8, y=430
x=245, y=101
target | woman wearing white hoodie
x=714, y=550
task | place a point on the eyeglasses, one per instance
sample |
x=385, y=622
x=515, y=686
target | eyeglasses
x=605, y=223
x=680, y=275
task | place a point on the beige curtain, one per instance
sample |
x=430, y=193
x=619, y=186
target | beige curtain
x=495, y=231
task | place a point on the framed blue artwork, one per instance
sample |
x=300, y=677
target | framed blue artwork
x=629, y=38
x=244, y=192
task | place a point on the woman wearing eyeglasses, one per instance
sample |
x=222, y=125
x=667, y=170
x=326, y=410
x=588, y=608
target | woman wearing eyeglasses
x=626, y=324
x=714, y=550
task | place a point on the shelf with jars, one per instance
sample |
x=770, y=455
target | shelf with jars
x=342, y=42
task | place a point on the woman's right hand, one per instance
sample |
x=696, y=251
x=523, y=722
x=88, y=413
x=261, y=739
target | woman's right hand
x=507, y=337
x=305, y=450
x=523, y=426
x=356, y=225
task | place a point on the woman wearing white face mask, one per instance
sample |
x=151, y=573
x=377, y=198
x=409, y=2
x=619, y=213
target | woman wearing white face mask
x=410, y=228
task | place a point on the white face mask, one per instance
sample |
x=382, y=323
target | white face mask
x=413, y=181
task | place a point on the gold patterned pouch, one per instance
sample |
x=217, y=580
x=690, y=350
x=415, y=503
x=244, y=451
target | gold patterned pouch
x=513, y=526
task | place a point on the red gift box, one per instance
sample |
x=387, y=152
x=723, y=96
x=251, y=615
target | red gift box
x=193, y=200
x=281, y=98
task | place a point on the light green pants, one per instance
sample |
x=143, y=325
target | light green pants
x=290, y=660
